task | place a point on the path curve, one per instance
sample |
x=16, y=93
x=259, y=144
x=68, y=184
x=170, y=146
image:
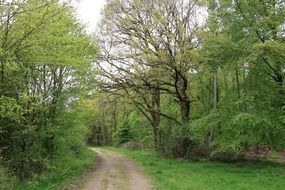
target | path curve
x=116, y=172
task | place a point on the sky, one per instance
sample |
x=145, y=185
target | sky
x=89, y=12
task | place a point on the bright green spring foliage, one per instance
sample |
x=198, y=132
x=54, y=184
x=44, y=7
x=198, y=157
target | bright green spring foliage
x=218, y=86
x=243, y=49
x=7, y=180
x=43, y=53
x=165, y=79
x=61, y=172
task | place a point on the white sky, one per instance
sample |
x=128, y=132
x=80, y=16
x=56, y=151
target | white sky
x=89, y=12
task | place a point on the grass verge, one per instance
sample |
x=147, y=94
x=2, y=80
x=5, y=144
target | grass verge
x=173, y=174
x=60, y=173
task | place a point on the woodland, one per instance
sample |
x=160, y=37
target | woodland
x=191, y=79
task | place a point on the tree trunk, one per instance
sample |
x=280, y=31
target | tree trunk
x=2, y=85
x=238, y=83
x=215, y=101
x=226, y=84
x=185, y=110
x=184, y=100
x=155, y=135
x=244, y=70
x=155, y=115
x=215, y=104
x=114, y=120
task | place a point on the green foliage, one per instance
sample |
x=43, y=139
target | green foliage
x=124, y=133
x=10, y=109
x=61, y=171
x=129, y=135
x=70, y=134
x=231, y=81
x=7, y=181
x=201, y=128
x=44, y=53
x=245, y=130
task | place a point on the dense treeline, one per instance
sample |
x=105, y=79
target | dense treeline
x=44, y=53
x=192, y=78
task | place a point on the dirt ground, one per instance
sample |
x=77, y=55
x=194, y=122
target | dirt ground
x=116, y=172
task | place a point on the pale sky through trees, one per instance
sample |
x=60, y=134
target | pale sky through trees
x=89, y=11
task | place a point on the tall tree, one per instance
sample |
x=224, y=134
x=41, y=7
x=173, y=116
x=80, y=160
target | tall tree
x=43, y=51
x=153, y=37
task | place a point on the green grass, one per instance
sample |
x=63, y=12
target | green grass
x=171, y=174
x=61, y=172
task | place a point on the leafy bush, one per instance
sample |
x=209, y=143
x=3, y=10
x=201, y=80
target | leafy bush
x=61, y=171
x=200, y=129
x=245, y=130
x=10, y=109
x=29, y=142
x=124, y=133
x=175, y=141
x=132, y=145
x=7, y=181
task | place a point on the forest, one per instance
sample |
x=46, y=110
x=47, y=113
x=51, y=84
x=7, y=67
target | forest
x=187, y=85
x=198, y=80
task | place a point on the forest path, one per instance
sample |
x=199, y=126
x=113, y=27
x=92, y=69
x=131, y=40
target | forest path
x=116, y=172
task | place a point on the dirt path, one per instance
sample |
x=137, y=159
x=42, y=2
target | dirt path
x=116, y=172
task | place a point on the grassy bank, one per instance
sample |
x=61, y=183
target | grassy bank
x=170, y=174
x=61, y=172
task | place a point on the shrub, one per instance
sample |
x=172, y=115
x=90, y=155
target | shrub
x=124, y=133
x=245, y=130
x=7, y=181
